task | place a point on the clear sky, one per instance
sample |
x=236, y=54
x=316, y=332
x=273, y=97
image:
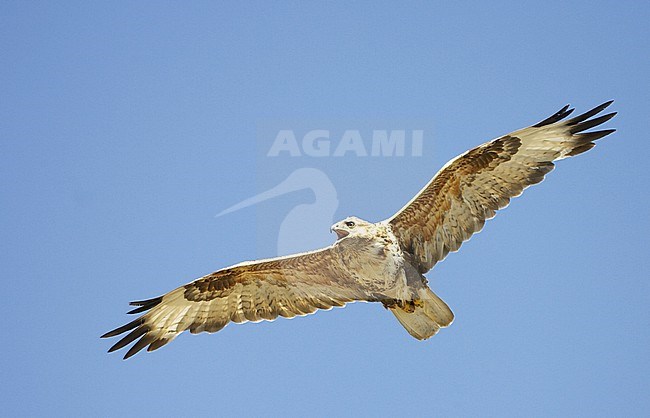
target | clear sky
x=125, y=128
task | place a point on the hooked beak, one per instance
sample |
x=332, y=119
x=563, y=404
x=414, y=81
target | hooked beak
x=340, y=233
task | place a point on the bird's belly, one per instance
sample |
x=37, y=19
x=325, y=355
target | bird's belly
x=380, y=275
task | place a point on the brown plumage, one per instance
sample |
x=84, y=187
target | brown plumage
x=373, y=262
x=472, y=187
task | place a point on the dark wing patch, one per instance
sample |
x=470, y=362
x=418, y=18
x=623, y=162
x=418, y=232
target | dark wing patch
x=217, y=284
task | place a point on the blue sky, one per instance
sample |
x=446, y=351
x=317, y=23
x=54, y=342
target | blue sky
x=125, y=128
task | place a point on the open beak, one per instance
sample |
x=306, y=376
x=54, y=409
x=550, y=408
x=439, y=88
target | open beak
x=340, y=233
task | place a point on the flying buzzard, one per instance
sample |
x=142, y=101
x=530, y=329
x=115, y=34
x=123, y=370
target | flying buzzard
x=373, y=262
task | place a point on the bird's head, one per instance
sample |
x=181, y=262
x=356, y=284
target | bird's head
x=351, y=226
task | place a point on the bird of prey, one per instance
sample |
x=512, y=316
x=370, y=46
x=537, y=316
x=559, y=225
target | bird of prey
x=380, y=262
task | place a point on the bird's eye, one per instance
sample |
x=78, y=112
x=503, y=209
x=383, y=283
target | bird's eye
x=349, y=224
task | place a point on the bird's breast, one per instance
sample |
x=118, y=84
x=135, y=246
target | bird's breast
x=375, y=263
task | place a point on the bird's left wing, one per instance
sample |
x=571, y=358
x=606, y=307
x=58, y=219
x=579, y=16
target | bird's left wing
x=253, y=291
x=472, y=187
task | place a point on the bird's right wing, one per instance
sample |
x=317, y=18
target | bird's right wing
x=253, y=291
x=472, y=187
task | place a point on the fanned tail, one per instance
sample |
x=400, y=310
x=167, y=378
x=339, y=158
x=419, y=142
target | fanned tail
x=423, y=317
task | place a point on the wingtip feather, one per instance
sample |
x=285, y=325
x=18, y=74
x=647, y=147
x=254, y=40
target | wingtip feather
x=129, y=338
x=139, y=345
x=557, y=116
x=584, y=116
x=587, y=124
x=120, y=330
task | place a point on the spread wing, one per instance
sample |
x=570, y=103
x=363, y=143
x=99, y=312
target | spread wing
x=472, y=187
x=253, y=291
